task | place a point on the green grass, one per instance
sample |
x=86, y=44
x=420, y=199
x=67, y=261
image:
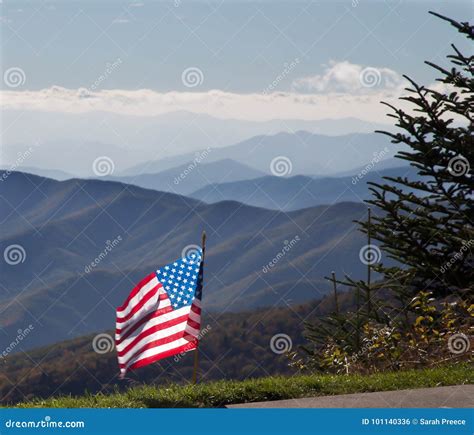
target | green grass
x=221, y=393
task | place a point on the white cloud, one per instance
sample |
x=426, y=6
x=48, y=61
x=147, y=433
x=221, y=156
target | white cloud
x=346, y=77
x=217, y=103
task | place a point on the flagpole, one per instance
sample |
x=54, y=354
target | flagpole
x=196, y=352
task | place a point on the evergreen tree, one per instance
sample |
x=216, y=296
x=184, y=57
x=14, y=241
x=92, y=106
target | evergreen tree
x=427, y=225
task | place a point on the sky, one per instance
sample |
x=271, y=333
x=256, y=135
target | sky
x=236, y=59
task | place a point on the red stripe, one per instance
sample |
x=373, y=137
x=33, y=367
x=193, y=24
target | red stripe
x=140, y=304
x=136, y=289
x=154, y=329
x=196, y=309
x=151, y=359
x=156, y=343
x=125, y=332
x=150, y=316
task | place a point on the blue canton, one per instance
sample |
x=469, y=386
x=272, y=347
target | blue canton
x=182, y=279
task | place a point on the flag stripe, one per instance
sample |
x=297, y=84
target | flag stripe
x=149, y=360
x=157, y=350
x=162, y=321
x=151, y=296
x=172, y=335
x=142, y=284
x=123, y=331
x=158, y=330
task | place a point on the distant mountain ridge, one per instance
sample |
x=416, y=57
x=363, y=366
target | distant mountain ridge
x=141, y=138
x=299, y=192
x=65, y=226
x=307, y=153
x=187, y=178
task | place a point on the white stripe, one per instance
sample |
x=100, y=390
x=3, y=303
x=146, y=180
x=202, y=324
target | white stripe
x=152, y=305
x=152, y=322
x=138, y=297
x=158, y=349
x=180, y=327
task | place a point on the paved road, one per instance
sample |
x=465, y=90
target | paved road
x=458, y=396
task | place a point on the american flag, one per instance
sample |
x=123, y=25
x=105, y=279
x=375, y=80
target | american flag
x=162, y=315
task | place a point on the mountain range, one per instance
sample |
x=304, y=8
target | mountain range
x=148, y=137
x=299, y=192
x=192, y=176
x=305, y=154
x=81, y=245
